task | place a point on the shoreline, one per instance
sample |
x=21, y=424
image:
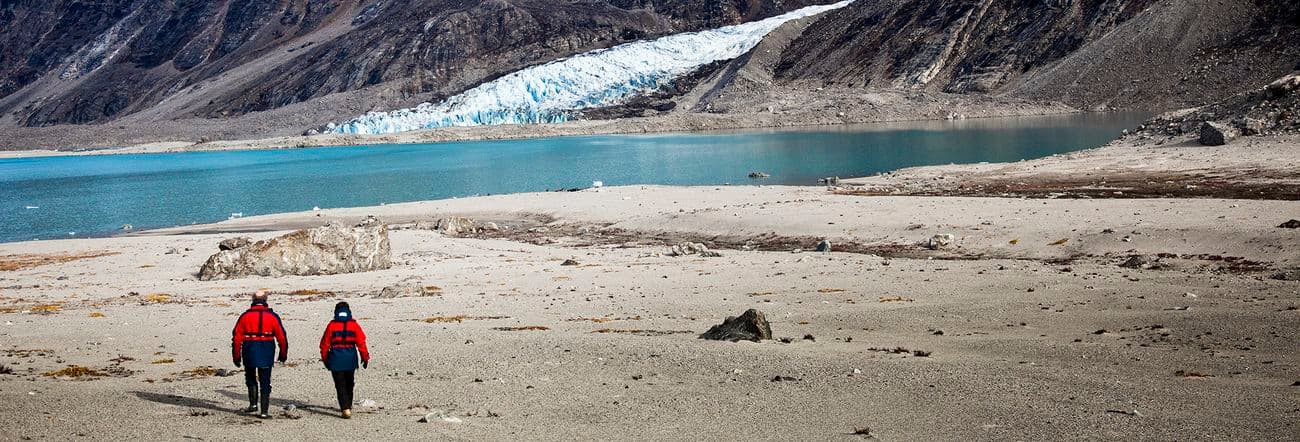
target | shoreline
x=911, y=110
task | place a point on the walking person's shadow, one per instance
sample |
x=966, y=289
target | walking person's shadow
x=281, y=403
x=183, y=401
x=204, y=404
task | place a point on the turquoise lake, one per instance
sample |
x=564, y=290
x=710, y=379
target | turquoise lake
x=80, y=196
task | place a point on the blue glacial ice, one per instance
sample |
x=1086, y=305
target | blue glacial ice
x=555, y=91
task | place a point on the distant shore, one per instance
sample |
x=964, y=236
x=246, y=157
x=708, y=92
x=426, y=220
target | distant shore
x=171, y=137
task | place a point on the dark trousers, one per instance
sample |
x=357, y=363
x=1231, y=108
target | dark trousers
x=257, y=379
x=344, y=382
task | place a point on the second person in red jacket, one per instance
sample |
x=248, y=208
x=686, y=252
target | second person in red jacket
x=339, y=346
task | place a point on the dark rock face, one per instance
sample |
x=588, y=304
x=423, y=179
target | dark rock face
x=1153, y=54
x=328, y=250
x=66, y=61
x=946, y=45
x=749, y=326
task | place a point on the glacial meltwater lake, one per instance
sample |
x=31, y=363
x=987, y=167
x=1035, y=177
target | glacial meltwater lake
x=95, y=195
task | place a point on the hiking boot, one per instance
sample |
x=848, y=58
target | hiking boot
x=263, y=416
x=252, y=402
x=347, y=413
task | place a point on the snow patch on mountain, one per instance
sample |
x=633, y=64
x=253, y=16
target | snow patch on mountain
x=555, y=91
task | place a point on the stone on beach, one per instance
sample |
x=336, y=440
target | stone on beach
x=1216, y=134
x=331, y=249
x=824, y=246
x=1292, y=224
x=412, y=286
x=234, y=243
x=693, y=248
x=749, y=326
x=455, y=226
x=940, y=241
x=1136, y=262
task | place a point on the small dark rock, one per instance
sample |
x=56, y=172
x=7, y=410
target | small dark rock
x=824, y=246
x=1287, y=275
x=1136, y=262
x=569, y=262
x=784, y=379
x=1100, y=332
x=750, y=326
x=234, y=243
x=809, y=338
x=758, y=175
x=1292, y=224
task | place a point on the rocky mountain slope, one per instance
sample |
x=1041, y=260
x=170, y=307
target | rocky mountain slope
x=1152, y=54
x=88, y=62
x=77, y=74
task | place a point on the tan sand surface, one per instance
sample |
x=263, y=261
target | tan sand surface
x=1041, y=339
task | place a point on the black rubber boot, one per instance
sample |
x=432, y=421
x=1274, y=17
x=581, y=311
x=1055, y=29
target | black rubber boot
x=252, y=402
x=266, y=406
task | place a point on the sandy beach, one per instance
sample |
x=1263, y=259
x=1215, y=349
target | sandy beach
x=1027, y=327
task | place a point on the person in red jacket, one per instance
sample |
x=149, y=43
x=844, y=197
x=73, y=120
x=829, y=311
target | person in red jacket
x=339, y=346
x=253, y=341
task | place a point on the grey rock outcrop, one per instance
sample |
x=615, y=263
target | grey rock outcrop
x=1216, y=134
x=327, y=250
x=749, y=326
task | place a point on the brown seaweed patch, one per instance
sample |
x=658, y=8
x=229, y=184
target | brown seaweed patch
x=523, y=328
x=33, y=260
x=642, y=332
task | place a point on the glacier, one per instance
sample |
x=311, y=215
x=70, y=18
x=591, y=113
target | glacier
x=554, y=92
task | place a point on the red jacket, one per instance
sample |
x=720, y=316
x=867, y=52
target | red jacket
x=337, y=335
x=259, y=328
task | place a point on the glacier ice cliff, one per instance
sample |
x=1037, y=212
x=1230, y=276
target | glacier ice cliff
x=553, y=92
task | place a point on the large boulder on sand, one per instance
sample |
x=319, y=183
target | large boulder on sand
x=1216, y=134
x=749, y=326
x=327, y=250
